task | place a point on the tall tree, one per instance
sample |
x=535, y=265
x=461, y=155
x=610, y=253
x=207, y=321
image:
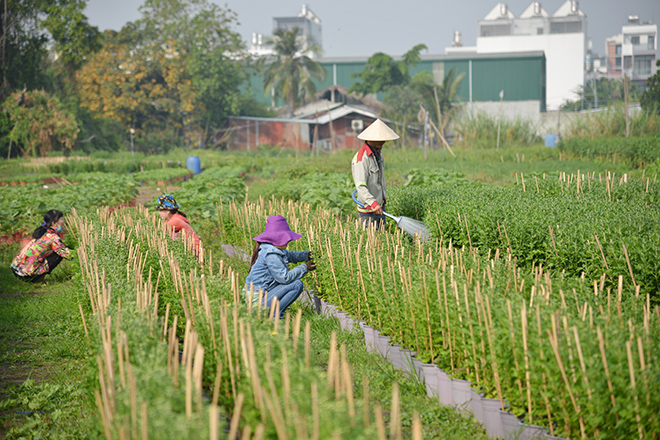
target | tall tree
x=27, y=27
x=650, y=100
x=289, y=73
x=174, y=72
x=381, y=71
x=40, y=123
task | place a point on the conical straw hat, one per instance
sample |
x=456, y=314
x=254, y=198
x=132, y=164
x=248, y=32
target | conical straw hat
x=378, y=131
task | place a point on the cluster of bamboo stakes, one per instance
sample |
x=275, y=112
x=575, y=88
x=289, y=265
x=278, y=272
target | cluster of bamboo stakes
x=578, y=181
x=232, y=343
x=451, y=301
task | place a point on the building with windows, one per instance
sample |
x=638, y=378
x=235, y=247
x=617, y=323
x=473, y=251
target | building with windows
x=638, y=49
x=613, y=55
x=308, y=23
x=561, y=36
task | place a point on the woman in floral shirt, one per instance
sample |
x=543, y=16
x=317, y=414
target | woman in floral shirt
x=39, y=257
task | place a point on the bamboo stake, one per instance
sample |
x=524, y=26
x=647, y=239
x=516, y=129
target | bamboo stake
x=395, y=416
x=316, y=425
x=417, y=431
x=102, y=411
x=366, y=418
x=145, y=422
x=601, y=345
x=82, y=315
x=601, y=251
x=216, y=386
x=631, y=369
x=348, y=383
x=555, y=348
x=523, y=323
x=625, y=252
x=380, y=423
x=213, y=422
x=489, y=330
x=296, y=330
x=307, y=342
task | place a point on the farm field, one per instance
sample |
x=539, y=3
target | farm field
x=539, y=286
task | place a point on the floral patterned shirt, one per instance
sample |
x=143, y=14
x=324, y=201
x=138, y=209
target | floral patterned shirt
x=31, y=261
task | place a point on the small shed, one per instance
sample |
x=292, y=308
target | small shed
x=334, y=128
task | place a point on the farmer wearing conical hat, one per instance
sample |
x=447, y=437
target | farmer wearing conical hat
x=369, y=173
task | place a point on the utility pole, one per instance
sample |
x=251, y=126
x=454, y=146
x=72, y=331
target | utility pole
x=499, y=117
x=625, y=96
x=595, y=80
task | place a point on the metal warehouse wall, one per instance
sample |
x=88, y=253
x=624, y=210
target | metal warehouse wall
x=521, y=77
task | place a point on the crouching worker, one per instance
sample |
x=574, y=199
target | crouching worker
x=176, y=221
x=269, y=268
x=44, y=252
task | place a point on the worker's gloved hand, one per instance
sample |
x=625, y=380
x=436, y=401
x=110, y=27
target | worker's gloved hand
x=311, y=265
x=309, y=256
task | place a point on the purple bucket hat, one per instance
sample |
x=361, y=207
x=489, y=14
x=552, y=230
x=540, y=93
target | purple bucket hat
x=277, y=232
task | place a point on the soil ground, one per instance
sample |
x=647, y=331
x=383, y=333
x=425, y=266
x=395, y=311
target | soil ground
x=147, y=193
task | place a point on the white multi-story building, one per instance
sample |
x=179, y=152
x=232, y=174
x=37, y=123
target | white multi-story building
x=561, y=36
x=308, y=23
x=633, y=52
x=638, y=49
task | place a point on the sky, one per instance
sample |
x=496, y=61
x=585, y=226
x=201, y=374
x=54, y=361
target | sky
x=360, y=28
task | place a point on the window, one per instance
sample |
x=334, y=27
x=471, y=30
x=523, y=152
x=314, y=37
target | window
x=634, y=40
x=643, y=65
x=539, y=31
x=618, y=49
x=438, y=72
x=618, y=62
x=651, y=43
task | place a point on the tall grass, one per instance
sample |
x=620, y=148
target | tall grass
x=612, y=123
x=480, y=131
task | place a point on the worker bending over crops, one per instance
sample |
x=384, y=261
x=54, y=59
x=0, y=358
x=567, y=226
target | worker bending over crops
x=46, y=250
x=269, y=274
x=177, y=222
x=369, y=173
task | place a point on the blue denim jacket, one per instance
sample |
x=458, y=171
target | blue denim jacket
x=272, y=268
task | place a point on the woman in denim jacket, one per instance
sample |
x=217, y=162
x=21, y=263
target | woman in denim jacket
x=269, y=268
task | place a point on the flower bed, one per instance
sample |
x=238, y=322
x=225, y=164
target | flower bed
x=562, y=351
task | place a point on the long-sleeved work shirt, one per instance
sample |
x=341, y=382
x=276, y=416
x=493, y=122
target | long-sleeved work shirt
x=369, y=176
x=272, y=268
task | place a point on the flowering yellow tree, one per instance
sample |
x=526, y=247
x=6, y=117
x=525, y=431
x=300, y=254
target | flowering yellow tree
x=173, y=72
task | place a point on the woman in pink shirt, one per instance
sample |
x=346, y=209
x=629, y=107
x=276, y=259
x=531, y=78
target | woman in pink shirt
x=176, y=220
x=46, y=250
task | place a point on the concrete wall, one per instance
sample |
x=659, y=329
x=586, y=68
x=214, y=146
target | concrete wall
x=564, y=60
x=545, y=122
x=507, y=110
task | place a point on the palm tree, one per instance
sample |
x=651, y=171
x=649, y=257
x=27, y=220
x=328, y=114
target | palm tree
x=289, y=72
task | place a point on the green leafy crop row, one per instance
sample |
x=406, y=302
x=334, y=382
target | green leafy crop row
x=635, y=151
x=610, y=226
x=565, y=352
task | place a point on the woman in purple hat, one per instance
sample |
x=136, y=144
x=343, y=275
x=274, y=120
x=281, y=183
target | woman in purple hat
x=269, y=268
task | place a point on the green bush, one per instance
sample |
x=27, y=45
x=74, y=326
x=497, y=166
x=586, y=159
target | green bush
x=634, y=151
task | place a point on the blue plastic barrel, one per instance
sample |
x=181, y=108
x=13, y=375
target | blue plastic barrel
x=551, y=140
x=194, y=164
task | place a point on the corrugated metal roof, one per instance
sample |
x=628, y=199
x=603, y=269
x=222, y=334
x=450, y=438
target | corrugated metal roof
x=333, y=115
x=341, y=112
x=255, y=118
x=442, y=57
